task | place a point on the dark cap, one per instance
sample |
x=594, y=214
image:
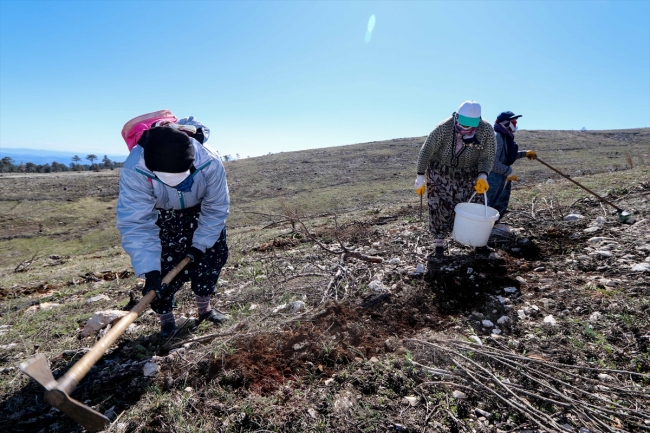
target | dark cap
x=507, y=115
x=167, y=150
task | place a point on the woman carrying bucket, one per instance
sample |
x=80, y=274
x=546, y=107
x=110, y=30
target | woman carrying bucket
x=457, y=157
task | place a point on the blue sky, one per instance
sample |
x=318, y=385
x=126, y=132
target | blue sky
x=280, y=76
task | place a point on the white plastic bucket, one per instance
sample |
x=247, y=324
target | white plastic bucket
x=473, y=223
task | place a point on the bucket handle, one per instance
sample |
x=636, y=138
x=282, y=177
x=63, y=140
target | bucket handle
x=484, y=197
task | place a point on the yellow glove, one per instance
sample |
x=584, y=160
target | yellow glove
x=420, y=185
x=481, y=186
x=531, y=154
x=513, y=177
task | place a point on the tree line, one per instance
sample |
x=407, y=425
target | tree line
x=7, y=165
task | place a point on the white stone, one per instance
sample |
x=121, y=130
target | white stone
x=600, y=220
x=188, y=389
x=376, y=244
x=550, y=320
x=487, y=323
x=606, y=377
x=503, y=319
x=371, y=252
x=573, y=217
x=496, y=331
x=395, y=261
x=601, y=253
x=345, y=401
x=49, y=305
x=97, y=299
x=502, y=299
x=329, y=381
x=591, y=230
x=510, y=290
x=280, y=307
x=419, y=269
x=150, y=369
x=412, y=401
x=312, y=413
x=100, y=320
x=596, y=316
x=476, y=339
x=297, y=306
x=9, y=346
x=521, y=314
x=641, y=267
x=378, y=287
x=596, y=240
x=459, y=395
x=469, y=271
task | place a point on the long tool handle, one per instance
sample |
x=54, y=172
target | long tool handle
x=618, y=209
x=72, y=378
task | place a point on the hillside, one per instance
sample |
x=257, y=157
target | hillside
x=551, y=333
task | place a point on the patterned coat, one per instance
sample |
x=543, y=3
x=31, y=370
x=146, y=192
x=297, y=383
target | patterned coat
x=438, y=151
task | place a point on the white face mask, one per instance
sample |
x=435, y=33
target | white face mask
x=172, y=179
x=512, y=127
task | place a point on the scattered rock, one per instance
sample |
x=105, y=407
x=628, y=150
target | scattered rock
x=329, y=381
x=9, y=346
x=601, y=254
x=459, y=395
x=150, y=369
x=4, y=329
x=496, y=331
x=297, y=306
x=521, y=314
x=392, y=344
x=345, y=401
x=591, y=229
x=573, y=217
x=600, y=221
x=641, y=267
x=596, y=316
x=49, y=305
x=539, y=269
x=312, y=413
x=100, y=320
x=550, y=320
x=188, y=389
x=395, y=261
x=510, y=290
x=487, y=323
x=606, y=377
x=378, y=287
x=97, y=299
x=630, y=221
x=412, y=401
x=503, y=319
x=476, y=339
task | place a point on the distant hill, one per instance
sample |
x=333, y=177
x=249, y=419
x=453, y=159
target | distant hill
x=42, y=156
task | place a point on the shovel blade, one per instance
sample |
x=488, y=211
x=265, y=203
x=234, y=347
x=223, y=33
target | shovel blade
x=38, y=369
x=87, y=417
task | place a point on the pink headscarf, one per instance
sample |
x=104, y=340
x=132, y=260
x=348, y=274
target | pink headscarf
x=134, y=128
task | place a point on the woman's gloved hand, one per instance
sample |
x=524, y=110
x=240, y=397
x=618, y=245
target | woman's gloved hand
x=481, y=185
x=420, y=185
x=512, y=178
x=195, y=255
x=531, y=154
x=152, y=281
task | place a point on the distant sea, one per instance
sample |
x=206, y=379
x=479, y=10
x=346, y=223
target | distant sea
x=41, y=156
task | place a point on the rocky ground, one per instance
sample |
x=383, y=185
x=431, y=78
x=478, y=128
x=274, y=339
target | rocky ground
x=344, y=323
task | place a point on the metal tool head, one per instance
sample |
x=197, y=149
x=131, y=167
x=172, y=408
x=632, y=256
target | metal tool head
x=38, y=369
x=622, y=215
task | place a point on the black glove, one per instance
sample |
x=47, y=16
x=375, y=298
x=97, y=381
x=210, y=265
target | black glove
x=195, y=255
x=152, y=282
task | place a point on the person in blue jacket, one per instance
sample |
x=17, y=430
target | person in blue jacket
x=507, y=152
x=173, y=203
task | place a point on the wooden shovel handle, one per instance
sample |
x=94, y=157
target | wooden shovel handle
x=72, y=378
x=618, y=209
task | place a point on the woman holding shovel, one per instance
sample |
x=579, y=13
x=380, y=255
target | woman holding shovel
x=173, y=203
x=507, y=152
x=456, y=159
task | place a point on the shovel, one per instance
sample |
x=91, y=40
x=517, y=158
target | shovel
x=57, y=393
x=622, y=215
